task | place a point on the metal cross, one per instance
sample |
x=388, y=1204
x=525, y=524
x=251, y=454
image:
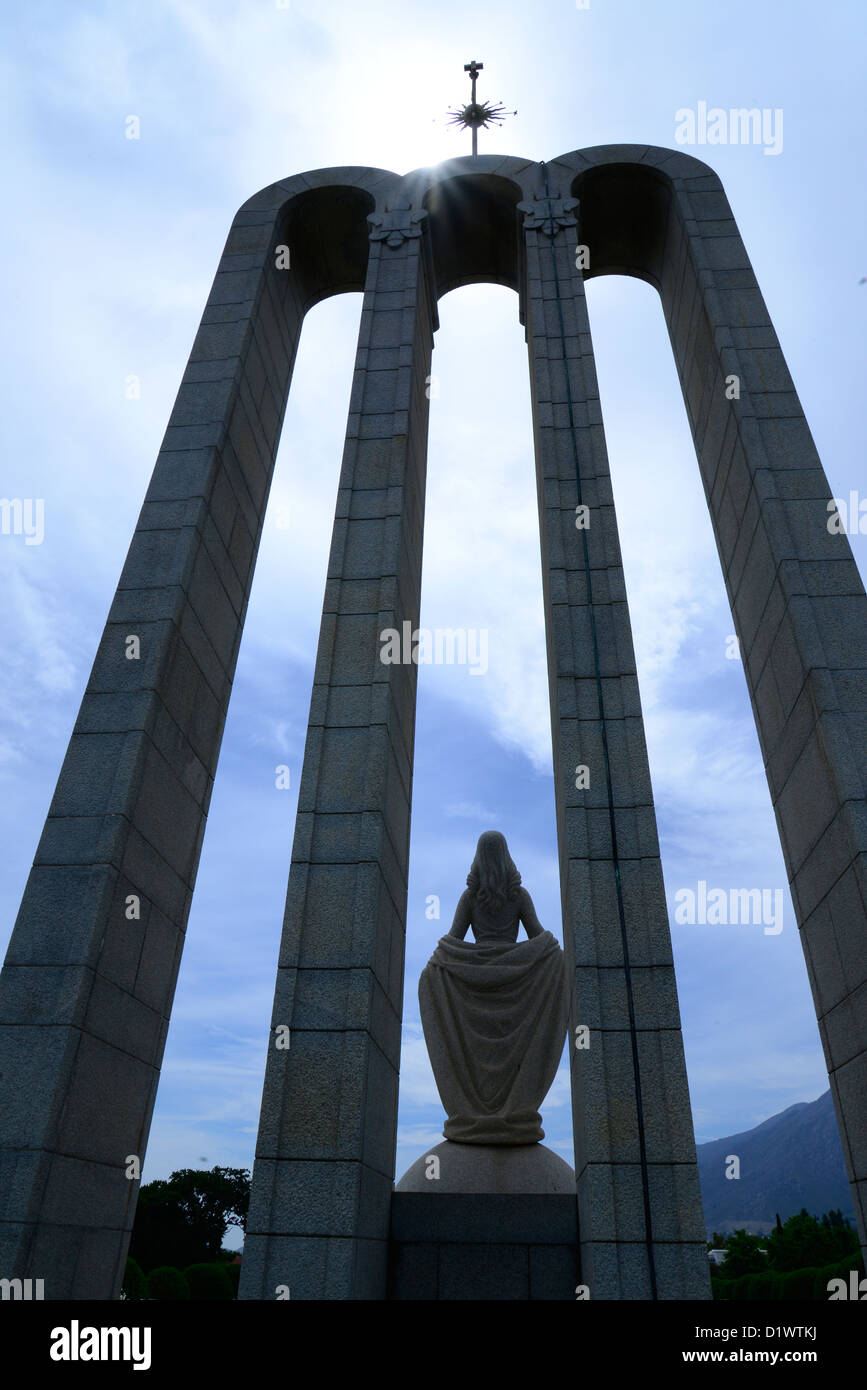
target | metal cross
x=473, y=69
x=478, y=114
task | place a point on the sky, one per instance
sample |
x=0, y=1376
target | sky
x=109, y=246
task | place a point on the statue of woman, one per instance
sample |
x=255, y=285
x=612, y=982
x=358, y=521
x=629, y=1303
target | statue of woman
x=494, y=1013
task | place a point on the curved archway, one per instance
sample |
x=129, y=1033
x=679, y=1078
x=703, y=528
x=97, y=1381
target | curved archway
x=474, y=231
x=126, y=822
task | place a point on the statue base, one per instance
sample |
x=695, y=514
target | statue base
x=488, y=1168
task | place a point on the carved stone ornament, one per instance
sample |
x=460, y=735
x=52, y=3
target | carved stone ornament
x=549, y=214
x=396, y=224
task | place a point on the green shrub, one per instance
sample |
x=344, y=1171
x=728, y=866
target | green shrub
x=764, y=1287
x=840, y=1270
x=168, y=1284
x=234, y=1273
x=135, y=1285
x=794, y=1285
x=842, y=1267
x=209, y=1281
x=799, y=1283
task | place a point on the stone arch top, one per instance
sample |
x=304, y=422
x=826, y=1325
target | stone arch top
x=673, y=164
x=473, y=206
x=630, y=195
x=626, y=195
x=321, y=215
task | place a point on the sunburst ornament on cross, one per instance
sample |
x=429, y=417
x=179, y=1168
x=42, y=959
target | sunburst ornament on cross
x=476, y=113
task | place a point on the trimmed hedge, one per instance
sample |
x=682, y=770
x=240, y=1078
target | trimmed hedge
x=167, y=1284
x=135, y=1284
x=839, y=1271
x=798, y=1284
x=209, y=1281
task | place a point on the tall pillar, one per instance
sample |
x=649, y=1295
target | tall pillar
x=797, y=599
x=640, y=1218
x=800, y=613
x=87, y=986
x=319, y=1210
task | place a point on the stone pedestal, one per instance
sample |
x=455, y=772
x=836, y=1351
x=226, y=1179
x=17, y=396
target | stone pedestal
x=488, y=1168
x=467, y=1246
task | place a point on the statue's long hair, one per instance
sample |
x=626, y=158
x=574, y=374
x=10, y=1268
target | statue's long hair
x=493, y=876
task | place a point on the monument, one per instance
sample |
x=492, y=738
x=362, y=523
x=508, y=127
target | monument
x=88, y=984
x=494, y=1013
x=494, y=1016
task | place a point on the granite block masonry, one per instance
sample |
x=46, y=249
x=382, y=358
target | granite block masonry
x=87, y=987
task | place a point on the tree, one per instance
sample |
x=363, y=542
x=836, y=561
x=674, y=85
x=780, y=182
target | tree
x=803, y=1241
x=744, y=1255
x=183, y=1221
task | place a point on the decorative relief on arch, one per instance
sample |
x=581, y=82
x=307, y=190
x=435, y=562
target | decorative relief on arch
x=547, y=213
x=399, y=222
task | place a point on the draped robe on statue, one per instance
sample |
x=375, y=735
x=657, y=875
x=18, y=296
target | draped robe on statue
x=494, y=1015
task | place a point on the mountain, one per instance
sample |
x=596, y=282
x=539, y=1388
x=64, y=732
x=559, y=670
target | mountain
x=790, y=1161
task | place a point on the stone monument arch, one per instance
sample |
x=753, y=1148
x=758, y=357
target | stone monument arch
x=90, y=973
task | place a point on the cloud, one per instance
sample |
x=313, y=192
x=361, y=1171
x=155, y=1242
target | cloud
x=469, y=810
x=417, y=1084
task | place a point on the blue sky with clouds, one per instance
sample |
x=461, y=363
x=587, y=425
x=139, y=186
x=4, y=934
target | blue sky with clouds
x=109, y=246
